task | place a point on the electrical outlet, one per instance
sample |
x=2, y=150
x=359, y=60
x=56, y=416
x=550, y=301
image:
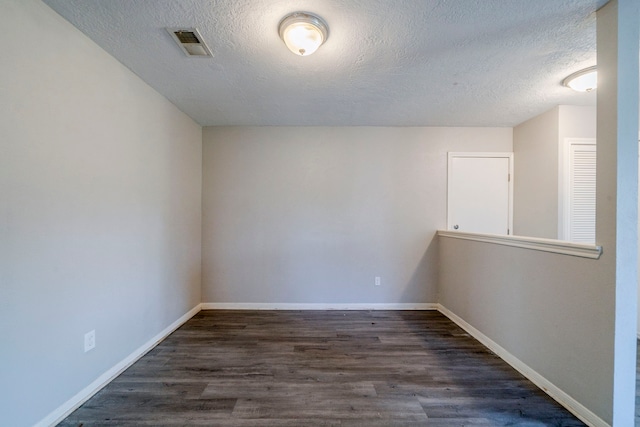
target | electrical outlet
x=89, y=340
x=377, y=281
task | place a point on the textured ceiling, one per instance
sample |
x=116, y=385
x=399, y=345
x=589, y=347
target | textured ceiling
x=386, y=62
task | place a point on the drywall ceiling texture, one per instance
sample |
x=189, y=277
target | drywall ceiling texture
x=386, y=63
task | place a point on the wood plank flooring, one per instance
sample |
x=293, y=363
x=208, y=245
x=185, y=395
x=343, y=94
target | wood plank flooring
x=321, y=368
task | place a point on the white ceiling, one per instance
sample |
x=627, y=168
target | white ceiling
x=386, y=62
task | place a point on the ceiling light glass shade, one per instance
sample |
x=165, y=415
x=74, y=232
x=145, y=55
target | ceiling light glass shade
x=303, y=33
x=583, y=81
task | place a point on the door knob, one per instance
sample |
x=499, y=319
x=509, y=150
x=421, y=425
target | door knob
x=455, y=227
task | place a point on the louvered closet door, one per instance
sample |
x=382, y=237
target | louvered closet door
x=582, y=193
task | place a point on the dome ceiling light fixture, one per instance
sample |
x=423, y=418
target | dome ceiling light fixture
x=303, y=32
x=583, y=81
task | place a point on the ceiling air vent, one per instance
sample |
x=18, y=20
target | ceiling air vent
x=190, y=41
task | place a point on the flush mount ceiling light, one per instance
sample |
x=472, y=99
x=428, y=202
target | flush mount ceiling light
x=303, y=32
x=583, y=81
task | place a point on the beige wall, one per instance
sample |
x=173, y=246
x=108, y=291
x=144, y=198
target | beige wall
x=100, y=181
x=553, y=312
x=577, y=122
x=312, y=215
x=617, y=192
x=570, y=319
x=538, y=148
x=535, y=186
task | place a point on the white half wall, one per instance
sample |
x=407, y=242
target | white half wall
x=313, y=215
x=100, y=182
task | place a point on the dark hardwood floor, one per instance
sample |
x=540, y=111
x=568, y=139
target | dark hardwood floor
x=320, y=368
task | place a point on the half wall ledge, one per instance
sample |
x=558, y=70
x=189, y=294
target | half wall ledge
x=532, y=243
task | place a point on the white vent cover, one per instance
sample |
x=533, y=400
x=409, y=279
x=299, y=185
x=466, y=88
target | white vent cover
x=190, y=41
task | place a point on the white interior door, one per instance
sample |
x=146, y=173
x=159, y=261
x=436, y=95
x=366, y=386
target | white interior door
x=480, y=192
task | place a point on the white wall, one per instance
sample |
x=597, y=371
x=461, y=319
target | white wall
x=312, y=215
x=538, y=148
x=100, y=181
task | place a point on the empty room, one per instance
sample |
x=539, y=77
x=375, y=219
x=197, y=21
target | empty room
x=329, y=213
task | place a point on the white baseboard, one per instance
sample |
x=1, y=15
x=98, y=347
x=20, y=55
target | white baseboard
x=547, y=386
x=556, y=393
x=86, y=393
x=318, y=306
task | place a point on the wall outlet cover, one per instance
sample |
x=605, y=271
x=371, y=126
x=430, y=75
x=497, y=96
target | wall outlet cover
x=89, y=340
